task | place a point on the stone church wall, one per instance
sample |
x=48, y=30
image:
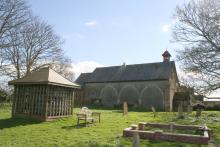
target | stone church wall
x=137, y=94
x=174, y=86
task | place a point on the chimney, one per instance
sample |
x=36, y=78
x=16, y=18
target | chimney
x=166, y=56
x=123, y=66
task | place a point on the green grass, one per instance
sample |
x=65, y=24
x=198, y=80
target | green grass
x=64, y=132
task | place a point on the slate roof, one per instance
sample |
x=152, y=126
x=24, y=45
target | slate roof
x=82, y=78
x=44, y=76
x=135, y=72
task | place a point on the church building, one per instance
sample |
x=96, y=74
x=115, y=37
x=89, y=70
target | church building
x=140, y=85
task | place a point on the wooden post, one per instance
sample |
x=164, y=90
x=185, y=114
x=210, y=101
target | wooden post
x=50, y=97
x=31, y=103
x=21, y=100
x=34, y=101
x=37, y=101
x=42, y=101
x=28, y=108
x=136, y=140
x=56, y=101
x=59, y=106
x=64, y=101
x=27, y=100
x=51, y=100
x=72, y=101
x=17, y=100
x=125, y=108
x=45, y=96
x=68, y=101
x=61, y=101
x=14, y=102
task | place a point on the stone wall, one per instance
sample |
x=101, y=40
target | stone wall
x=174, y=86
x=137, y=94
x=172, y=135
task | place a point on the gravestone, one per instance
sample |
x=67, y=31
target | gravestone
x=180, y=110
x=189, y=109
x=198, y=112
x=199, y=107
x=125, y=108
x=154, y=111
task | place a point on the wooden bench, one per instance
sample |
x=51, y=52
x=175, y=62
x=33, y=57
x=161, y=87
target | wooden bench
x=87, y=116
x=84, y=117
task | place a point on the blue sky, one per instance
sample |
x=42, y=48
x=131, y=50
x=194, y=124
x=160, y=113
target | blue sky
x=110, y=32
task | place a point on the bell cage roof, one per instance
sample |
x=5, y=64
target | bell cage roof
x=44, y=76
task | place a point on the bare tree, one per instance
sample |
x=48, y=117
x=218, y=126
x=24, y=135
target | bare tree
x=34, y=45
x=11, y=56
x=27, y=43
x=40, y=45
x=198, y=30
x=64, y=67
x=13, y=13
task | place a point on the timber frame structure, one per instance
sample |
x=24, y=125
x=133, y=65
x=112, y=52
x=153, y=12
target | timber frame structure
x=43, y=95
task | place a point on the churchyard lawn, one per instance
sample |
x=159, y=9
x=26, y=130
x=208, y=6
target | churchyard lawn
x=23, y=132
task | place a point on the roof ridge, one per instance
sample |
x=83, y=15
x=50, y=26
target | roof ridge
x=133, y=64
x=45, y=75
x=86, y=72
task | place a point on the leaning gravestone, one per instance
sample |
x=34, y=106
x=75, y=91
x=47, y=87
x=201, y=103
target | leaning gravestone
x=125, y=108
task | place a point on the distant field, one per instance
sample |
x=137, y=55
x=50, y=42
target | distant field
x=23, y=132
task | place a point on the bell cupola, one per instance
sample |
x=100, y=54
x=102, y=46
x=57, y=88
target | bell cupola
x=166, y=56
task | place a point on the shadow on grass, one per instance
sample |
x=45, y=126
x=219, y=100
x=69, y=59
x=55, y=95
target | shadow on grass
x=78, y=126
x=16, y=121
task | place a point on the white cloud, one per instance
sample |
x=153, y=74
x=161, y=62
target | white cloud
x=84, y=67
x=166, y=28
x=91, y=23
